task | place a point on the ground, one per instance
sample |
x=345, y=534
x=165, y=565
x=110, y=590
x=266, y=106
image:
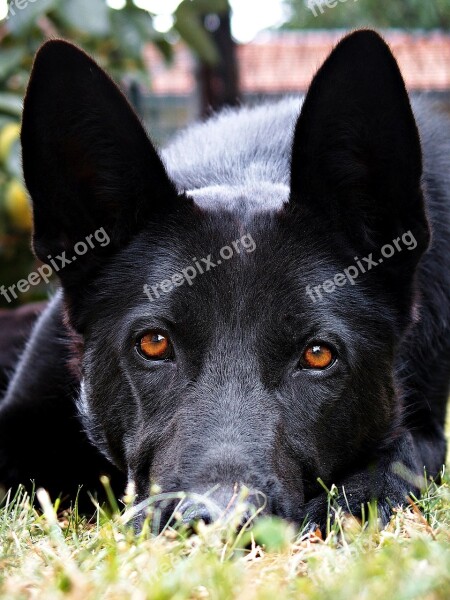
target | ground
x=50, y=555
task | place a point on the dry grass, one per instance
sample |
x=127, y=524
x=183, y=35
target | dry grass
x=44, y=556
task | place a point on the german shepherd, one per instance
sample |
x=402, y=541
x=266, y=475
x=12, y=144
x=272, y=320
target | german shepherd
x=272, y=305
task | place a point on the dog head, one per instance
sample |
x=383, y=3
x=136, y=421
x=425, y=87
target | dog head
x=233, y=334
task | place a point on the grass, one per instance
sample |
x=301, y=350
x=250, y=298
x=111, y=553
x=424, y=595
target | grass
x=49, y=555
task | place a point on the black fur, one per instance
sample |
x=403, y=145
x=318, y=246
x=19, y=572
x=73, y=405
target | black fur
x=233, y=405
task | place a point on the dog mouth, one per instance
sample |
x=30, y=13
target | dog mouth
x=231, y=506
x=227, y=506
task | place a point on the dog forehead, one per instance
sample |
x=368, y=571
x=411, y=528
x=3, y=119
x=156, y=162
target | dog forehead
x=221, y=261
x=243, y=200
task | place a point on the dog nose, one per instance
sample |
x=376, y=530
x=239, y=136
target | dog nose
x=219, y=506
x=192, y=511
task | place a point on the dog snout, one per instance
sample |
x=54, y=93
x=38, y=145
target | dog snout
x=226, y=504
x=192, y=511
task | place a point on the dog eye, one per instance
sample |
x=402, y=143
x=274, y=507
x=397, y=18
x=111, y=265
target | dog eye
x=317, y=356
x=154, y=345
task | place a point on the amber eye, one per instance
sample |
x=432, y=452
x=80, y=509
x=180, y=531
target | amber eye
x=154, y=345
x=317, y=356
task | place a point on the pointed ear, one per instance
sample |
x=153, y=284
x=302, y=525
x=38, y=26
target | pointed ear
x=356, y=156
x=87, y=161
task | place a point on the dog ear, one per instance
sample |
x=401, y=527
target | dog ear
x=356, y=156
x=87, y=161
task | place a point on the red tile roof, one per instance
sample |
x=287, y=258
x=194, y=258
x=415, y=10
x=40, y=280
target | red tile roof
x=278, y=62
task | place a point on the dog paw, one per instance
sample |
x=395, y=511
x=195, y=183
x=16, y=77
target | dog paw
x=324, y=511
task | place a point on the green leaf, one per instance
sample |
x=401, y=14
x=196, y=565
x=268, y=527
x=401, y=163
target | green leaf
x=5, y=119
x=204, y=7
x=165, y=48
x=10, y=104
x=132, y=29
x=14, y=160
x=23, y=14
x=10, y=59
x=273, y=533
x=188, y=23
x=86, y=16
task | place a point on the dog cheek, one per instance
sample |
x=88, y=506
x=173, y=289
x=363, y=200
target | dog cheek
x=289, y=472
x=101, y=403
x=152, y=455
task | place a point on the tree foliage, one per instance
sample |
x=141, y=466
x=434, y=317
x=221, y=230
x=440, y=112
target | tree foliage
x=347, y=14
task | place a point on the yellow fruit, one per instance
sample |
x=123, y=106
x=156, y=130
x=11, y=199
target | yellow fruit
x=8, y=135
x=18, y=206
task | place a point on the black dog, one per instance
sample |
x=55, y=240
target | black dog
x=266, y=307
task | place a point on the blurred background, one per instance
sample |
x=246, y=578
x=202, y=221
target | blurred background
x=180, y=60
